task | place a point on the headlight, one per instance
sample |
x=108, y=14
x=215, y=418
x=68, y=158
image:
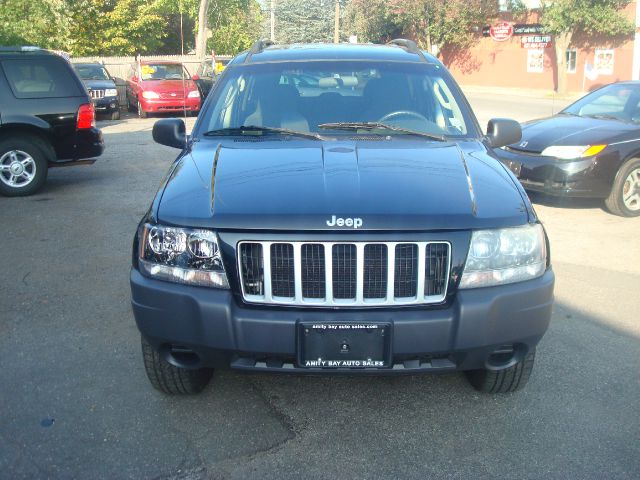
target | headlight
x=111, y=92
x=570, y=152
x=507, y=255
x=150, y=95
x=194, y=94
x=181, y=255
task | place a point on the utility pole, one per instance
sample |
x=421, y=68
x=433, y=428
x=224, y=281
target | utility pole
x=336, y=27
x=273, y=20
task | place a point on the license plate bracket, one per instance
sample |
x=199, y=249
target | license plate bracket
x=344, y=345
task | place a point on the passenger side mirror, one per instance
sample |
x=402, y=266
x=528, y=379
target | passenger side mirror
x=134, y=79
x=503, y=131
x=171, y=132
x=195, y=77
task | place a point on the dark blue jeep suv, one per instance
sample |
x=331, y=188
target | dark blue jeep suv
x=337, y=210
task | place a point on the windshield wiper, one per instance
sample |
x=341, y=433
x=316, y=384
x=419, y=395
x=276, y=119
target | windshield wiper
x=260, y=129
x=604, y=116
x=379, y=126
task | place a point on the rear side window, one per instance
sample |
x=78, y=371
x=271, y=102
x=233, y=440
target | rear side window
x=40, y=78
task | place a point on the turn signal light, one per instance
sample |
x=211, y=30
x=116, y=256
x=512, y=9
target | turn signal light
x=86, y=117
x=593, y=150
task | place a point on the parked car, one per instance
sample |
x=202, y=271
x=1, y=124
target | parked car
x=101, y=87
x=46, y=118
x=379, y=237
x=161, y=87
x=589, y=149
x=205, y=78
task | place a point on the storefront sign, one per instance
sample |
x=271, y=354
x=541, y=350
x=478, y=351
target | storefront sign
x=519, y=29
x=535, y=61
x=603, y=62
x=535, y=41
x=501, y=31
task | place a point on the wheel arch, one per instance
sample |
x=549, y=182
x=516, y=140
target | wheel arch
x=41, y=138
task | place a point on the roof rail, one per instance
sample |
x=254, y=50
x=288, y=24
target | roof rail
x=410, y=46
x=20, y=48
x=258, y=47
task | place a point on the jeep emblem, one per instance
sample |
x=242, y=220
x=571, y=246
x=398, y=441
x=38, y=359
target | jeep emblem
x=344, y=222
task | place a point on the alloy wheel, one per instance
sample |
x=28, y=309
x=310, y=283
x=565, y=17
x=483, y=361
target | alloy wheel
x=17, y=168
x=631, y=190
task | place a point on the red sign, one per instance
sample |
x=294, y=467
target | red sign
x=501, y=31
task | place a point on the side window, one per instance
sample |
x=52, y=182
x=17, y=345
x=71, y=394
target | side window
x=40, y=78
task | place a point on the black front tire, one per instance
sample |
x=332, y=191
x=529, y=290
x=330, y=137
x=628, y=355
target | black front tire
x=30, y=146
x=170, y=379
x=615, y=202
x=506, y=380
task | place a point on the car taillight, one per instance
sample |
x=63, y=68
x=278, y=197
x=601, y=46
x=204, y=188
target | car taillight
x=86, y=117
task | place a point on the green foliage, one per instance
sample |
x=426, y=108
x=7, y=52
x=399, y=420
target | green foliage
x=32, y=22
x=446, y=23
x=234, y=25
x=592, y=17
x=126, y=27
x=304, y=21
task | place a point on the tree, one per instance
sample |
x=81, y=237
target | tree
x=33, y=22
x=234, y=24
x=301, y=21
x=201, y=38
x=566, y=19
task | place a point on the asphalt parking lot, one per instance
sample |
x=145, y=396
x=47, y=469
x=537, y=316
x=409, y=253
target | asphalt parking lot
x=75, y=401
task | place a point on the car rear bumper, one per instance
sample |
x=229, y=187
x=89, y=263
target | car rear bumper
x=585, y=177
x=223, y=332
x=158, y=106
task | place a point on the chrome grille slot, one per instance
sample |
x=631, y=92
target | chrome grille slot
x=344, y=271
x=375, y=271
x=405, y=278
x=436, y=266
x=282, y=273
x=313, y=276
x=252, y=268
x=349, y=274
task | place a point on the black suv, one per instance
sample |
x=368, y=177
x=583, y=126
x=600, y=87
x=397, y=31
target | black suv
x=46, y=118
x=360, y=226
x=101, y=87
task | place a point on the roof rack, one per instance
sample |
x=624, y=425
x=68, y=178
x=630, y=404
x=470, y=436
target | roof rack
x=410, y=46
x=19, y=48
x=258, y=47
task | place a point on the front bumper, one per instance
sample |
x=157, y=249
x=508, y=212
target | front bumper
x=224, y=332
x=585, y=177
x=106, y=105
x=162, y=105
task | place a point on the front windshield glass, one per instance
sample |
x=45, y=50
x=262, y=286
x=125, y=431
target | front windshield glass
x=91, y=72
x=305, y=96
x=618, y=102
x=163, y=71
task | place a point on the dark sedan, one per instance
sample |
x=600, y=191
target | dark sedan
x=589, y=149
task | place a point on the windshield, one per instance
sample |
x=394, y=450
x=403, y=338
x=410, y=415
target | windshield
x=163, y=71
x=619, y=102
x=91, y=72
x=306, y=97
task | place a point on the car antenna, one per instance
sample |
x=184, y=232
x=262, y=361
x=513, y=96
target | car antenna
x=258, y=47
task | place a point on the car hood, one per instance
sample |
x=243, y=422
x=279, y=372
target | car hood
x=99, y=84
x=168, y=86
x=302, y=185
x=569, y=130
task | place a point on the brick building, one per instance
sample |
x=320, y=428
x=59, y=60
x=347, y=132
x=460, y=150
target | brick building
x=518, y=54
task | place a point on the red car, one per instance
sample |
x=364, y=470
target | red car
x=157, y=87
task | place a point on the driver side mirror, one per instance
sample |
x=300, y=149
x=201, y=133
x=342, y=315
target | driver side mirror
x=502, y=132
x=170, y=132
x=195, y=77
x=134, y=79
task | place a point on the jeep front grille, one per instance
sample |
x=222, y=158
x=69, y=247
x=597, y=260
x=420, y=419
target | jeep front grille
x=344, y=274
x=96, y=94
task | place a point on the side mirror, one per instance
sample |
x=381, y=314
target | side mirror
x=503, y=131
x=134, y=79
x=170, y=132
x=195, y=77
